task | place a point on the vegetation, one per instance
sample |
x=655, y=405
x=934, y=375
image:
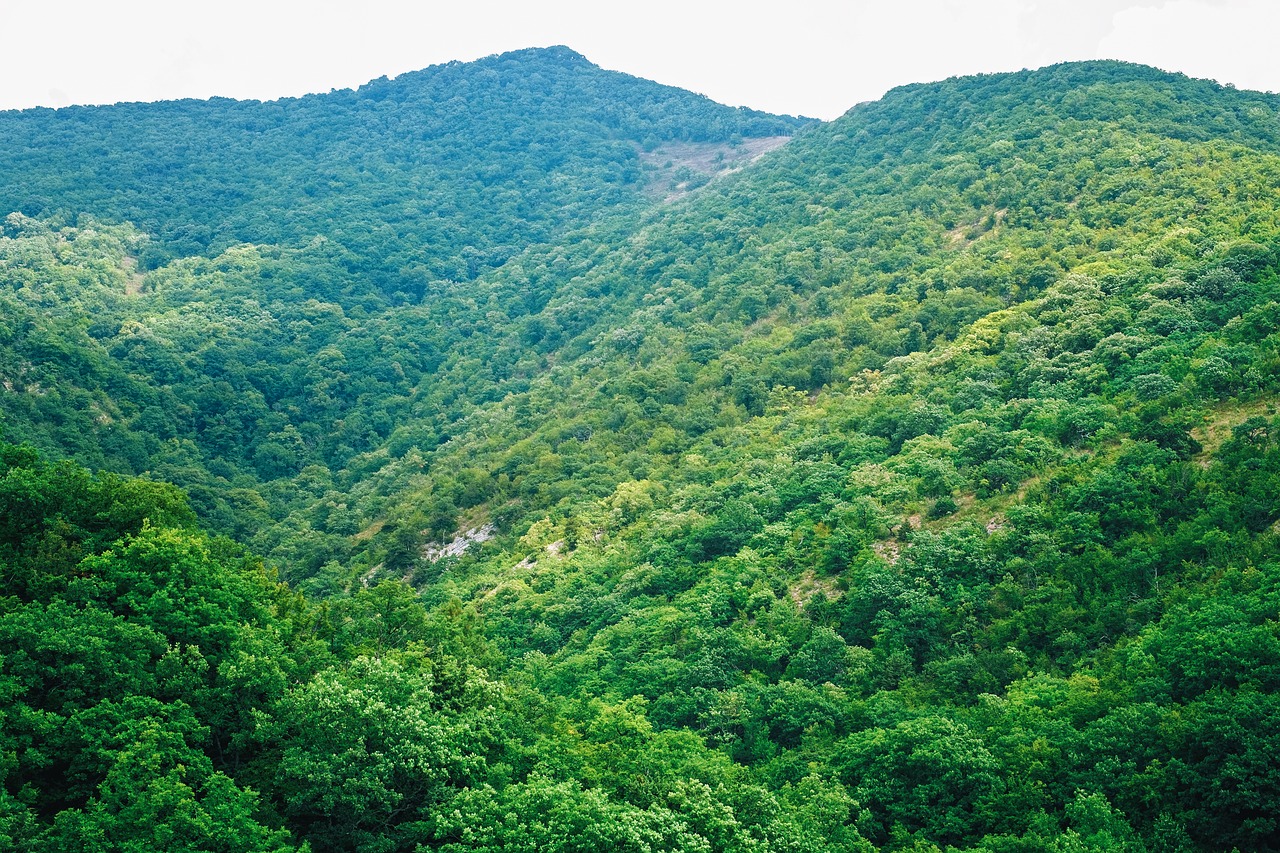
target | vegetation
x=914, y=488
x=437, y=174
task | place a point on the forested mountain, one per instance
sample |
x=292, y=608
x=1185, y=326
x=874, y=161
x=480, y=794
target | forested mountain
x=914, y=487
x=437, y=174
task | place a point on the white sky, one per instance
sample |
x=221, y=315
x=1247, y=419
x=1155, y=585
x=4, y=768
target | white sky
x=794, y=56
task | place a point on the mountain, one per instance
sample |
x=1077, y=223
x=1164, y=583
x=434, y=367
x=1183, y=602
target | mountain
x=912, y=486
x=446, y=172
x=437, y=174
x=885, y=235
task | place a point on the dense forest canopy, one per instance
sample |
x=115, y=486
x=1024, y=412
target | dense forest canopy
x=912, y=487
x=437, y=174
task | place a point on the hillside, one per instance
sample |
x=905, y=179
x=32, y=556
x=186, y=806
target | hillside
x=911, y=436
x=437, y=174
x=353, y=215
x=850, y=248
x=911, y=487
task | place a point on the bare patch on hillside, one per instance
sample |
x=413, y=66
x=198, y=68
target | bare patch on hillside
x=967, y=233
x=369, y=532
x=460, y=543
x=133, y=279
x=1217, y=427
x=808, y=585
x=887, y=550
x=675, y=169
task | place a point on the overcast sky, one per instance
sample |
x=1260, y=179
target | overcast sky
x=793, y=56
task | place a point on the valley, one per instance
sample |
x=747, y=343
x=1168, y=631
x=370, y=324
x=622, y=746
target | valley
x=516, y=455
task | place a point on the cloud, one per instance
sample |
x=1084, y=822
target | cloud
x=1056, y=30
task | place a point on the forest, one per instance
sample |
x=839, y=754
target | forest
x=448, y=464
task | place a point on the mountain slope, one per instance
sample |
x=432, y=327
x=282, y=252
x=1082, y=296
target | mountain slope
x=355, y=201
x=894, y=455
x=914, y=488
x=437, y=174
x=855, y=245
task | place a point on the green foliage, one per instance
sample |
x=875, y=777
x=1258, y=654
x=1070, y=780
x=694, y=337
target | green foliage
x=436, y=175
x=366, y=756
x=915, y=488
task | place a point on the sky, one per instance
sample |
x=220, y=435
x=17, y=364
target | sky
x=790, y=56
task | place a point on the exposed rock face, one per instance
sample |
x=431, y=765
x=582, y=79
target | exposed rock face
x=434, y=551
